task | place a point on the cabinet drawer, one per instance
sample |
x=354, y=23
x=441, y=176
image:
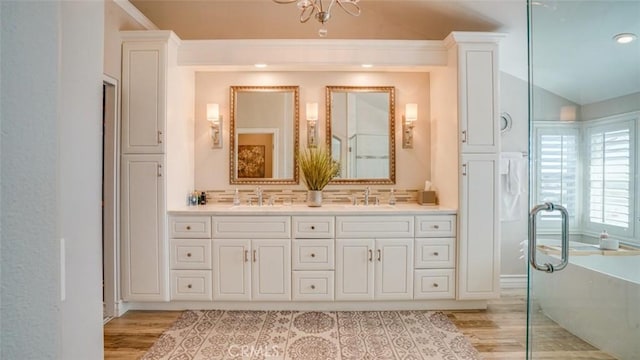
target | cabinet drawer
x=190, y=227
x=191, y=285
x=313, y=254
x=313, y=285
x=434, y=284
x=436, y=226
x=313, y=227
x=374, y=226
x=435, y=253
x=190, y=254
x=248, y=227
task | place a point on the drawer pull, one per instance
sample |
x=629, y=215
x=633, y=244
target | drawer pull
x=436, y=227
x=188, y=254
x=436, y=253
x=313, y=227
x=379, y=255
x=435, y=285
x=313, y=287
x=313, y=255
x=246, y=256
x=188, y=227
x=254, y=255
x=370, y=255
x=189, y=286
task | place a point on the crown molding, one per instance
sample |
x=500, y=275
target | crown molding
x=136, y=14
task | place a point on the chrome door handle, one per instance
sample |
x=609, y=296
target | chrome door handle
x=370, y=255
x=564, y=251
x=464, y=136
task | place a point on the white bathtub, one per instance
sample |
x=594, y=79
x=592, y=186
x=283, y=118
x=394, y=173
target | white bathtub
x=597, y=298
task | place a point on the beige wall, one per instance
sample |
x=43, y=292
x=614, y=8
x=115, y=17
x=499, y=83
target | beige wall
x=412, y=165
x=115, y=19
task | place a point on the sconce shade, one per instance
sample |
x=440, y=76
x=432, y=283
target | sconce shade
x=411, y=112
x=213, y=112
x=312, y=111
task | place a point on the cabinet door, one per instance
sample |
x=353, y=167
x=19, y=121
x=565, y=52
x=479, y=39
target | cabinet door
x=478, y=98
x=144, y=247
x=354, y=269
x=144, y=67
x=232, y=269
x=479, y=254
x=271, y=273
x=393, y=269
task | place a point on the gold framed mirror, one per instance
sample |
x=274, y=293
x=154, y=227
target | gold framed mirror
x=263, y=135
x=360, y=130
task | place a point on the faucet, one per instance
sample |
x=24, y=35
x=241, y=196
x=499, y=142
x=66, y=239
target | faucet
x=259, y=194
x=367, y=191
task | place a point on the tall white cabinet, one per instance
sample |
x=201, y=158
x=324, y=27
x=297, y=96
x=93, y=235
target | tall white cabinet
x=156, y=124
x=476, y=62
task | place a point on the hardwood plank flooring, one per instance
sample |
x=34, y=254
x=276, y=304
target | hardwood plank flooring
x=498, y=332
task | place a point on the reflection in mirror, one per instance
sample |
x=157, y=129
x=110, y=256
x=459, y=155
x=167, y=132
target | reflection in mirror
x=360, y=133
x=263, y=135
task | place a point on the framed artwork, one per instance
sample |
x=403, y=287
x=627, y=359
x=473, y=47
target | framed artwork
x=251, y=161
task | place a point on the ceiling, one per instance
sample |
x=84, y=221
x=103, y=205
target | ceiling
x=573, y=52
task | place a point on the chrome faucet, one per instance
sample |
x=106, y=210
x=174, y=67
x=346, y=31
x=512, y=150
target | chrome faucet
x=259, y=194
x=367, y=191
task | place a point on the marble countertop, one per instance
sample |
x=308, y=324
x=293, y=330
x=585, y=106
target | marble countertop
x=301, y=209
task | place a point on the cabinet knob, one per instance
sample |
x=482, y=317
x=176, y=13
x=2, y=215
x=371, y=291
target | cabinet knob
x=313, y=227
x=189, y=286
x=436, y=227
x=436, y=253
x=188, y=227
x=435, y=285
x=313, y=287
x=188, y=254
x=313, y=255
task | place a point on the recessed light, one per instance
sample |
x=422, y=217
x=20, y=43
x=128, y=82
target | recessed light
x=367, y=66
x=260, y=65
x=625, y=38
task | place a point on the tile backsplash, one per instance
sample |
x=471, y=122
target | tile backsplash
x=297, y=196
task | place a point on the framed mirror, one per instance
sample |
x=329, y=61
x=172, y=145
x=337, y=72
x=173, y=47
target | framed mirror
x=361, y=133
x=263, y=135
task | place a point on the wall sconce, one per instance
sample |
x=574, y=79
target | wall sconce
x=215, y=123
x=312, y=122
x=410, y=116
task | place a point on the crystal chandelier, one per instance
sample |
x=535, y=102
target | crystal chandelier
x=322, y=12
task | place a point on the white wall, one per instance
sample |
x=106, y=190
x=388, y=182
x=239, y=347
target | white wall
x=50, y=92
x=514, y=101
x=412, y=165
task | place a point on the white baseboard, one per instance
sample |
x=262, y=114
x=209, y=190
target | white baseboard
x=121, y=308
x=513, y=281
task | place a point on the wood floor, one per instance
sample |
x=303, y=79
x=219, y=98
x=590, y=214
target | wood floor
x=497, y=333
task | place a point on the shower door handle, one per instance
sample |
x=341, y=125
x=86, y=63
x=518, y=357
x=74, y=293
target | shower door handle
x=564, y=251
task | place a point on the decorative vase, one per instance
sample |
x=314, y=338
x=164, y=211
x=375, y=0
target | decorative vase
x=314, y=198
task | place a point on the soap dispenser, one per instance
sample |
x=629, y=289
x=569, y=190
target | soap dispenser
x=392, y=197
x=606, y=243
x=236, y=198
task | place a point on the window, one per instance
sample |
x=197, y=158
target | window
x=556, y=172
x=609, y=185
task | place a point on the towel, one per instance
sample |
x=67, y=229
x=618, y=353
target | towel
x=513, y=185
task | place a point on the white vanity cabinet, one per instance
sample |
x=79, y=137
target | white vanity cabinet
x=252, y=258
x=435, y=257
x=190, y=258
x=313, y=258
x=370, y=268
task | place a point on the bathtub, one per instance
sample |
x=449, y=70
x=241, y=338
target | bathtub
x=596, y=297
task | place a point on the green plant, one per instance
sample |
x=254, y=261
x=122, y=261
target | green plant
x=317, y=167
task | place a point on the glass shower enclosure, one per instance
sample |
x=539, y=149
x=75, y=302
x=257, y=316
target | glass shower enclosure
x=584, y=116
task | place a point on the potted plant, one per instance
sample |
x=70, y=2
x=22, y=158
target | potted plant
x=318, y=168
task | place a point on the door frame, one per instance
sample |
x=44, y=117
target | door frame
x=111, y=198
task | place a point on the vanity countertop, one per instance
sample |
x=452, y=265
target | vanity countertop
x=301, y=209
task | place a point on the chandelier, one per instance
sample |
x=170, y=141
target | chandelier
x=322, y=12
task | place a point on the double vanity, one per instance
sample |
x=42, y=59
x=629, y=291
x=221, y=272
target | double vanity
x=337, y=256
x=297, y=257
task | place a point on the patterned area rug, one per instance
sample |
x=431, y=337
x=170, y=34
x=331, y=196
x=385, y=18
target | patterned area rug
x=300, y=335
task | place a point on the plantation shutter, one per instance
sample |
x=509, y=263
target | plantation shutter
x=557, y=172
x=609, y=151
